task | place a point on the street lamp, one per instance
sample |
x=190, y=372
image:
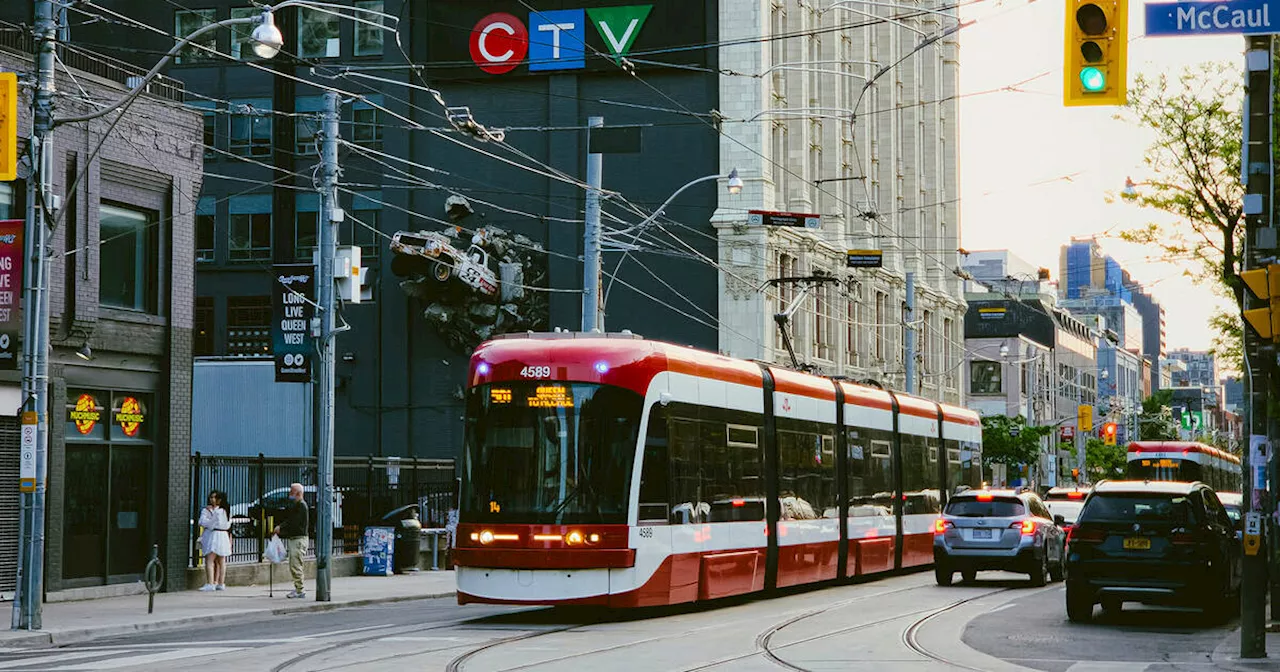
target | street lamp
x=266, y=38
x=734, y=187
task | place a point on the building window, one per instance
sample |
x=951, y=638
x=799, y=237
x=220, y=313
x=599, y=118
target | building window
x=202, y=343
x=307, y=125
x=822, y=316
x=318, y=34
x=366, y=129
x=881, y=325
x=188, y=22
x=786, y=291
x=129, y=256
x=851, y=333
x=210, y=139
x=368, y=36
x=249, y=233
x=984, y=377
x=306, y=214
x=947, y=339
x=240, y=34
x=8, y=201
x=251, y=127
x=926, y=343
x=365, y=221
x=249, y=326
x=206, y=211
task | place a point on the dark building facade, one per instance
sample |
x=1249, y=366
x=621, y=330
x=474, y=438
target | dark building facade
x=409, y=146
x=122, y=283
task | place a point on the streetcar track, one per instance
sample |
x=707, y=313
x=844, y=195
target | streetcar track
x=455, y=665
x=910, y=636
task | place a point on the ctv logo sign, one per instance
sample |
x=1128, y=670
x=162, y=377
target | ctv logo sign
x=554, y=39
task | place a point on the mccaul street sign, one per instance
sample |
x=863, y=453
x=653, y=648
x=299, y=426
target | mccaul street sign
x=1238, y=17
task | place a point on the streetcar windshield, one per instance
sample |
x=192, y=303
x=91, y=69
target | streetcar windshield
x=1164, y=469
x=544, y=452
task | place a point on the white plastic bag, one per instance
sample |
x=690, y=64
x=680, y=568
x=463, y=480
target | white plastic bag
x=275, y=550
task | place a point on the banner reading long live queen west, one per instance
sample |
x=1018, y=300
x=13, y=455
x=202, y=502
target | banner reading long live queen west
x=293, y=295
x=10, y=291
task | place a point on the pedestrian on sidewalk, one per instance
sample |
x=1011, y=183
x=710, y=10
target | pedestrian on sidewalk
x=294, y=531
x=216, y=541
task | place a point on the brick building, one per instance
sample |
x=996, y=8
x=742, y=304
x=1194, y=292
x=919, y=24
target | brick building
x=121, y=282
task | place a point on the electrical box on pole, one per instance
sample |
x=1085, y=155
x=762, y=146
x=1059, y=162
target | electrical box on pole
x=8, y=126
x=1095, y=53
x=1264, y=283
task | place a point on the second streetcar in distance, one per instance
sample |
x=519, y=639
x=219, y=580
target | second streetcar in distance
x=1184, y=461
x=611, y=470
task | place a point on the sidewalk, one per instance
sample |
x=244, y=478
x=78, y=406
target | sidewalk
x=72, y=622
x=1227, y=655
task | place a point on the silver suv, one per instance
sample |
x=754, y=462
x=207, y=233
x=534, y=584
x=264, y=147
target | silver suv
x=1004, y=530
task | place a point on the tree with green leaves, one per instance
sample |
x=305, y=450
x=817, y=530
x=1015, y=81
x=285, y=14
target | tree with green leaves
x=1104, y=461
x=1157, y=422
x=1011, y=441
x=1194, y=166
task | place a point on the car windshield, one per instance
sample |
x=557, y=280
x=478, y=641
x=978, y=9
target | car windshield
x=549, y=452
x=1126, y=507
x=1069, y=511
x=999, y=507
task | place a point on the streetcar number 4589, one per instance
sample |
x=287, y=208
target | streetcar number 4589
x=536, y=372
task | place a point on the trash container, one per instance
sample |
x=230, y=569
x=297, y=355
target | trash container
x=408, y=544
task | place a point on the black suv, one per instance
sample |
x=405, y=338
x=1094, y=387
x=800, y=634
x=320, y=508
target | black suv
x=1155, y=543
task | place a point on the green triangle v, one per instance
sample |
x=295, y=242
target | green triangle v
x=619, y=26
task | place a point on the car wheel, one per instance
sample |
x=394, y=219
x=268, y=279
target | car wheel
x=1079, y=604
x=969, y=575
x=1040, y=574
x=943, y=573
x=441, y=271
x=1059, y=570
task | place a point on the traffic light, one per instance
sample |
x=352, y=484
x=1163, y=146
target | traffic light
x=8, y=126
x=1096, y=52
x=1264, y=283
x=1109, y=433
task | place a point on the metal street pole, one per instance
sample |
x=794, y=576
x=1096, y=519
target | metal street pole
x=1079, y=438
x=591, y=238
x=910, y=328
x=1257, y=152
x=327, y=235
x=29, y=593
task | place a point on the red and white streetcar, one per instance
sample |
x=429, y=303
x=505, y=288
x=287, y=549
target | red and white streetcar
x=611, y=470
x=1184, y=461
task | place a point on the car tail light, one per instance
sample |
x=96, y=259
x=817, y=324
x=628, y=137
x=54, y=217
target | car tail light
x=985, y=496
x=1090, y=536
x=1027, y=526
x=1183, y=538
x=940, y=526
x=1075, y=495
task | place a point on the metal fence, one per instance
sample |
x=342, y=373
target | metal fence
x=368, y=489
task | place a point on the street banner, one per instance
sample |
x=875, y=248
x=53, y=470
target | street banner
x=293, y=306
x=11, y=255
x=1235, y=17
x=796, y=219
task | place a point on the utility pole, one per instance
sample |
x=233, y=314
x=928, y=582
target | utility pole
x=910, y=328
x=591, y=238
x=327, y=236
x=29, y=595
x=1256, y=164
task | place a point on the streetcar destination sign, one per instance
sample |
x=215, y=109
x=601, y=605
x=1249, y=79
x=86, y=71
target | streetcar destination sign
x=1237, y=17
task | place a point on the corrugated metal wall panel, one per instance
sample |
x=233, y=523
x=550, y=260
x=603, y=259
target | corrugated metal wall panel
x=10, y=505
x=239, y=409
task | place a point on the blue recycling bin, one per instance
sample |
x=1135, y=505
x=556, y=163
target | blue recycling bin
x=379, y=546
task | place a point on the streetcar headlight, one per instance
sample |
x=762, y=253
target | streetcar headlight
x=574, y=538
x=593, y=539
x=486, y=537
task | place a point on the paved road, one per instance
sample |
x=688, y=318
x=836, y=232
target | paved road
x=1032, y=630
x=898, y=623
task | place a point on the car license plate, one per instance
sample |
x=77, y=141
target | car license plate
x=981, y=534
x=1137, y=544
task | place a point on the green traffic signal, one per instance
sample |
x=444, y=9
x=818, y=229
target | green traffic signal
x=1092, y=79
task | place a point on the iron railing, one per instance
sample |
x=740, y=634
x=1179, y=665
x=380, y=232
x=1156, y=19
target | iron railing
x=368, y=487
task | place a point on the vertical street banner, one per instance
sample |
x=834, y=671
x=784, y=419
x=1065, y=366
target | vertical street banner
x=10, y=291
x=293, y=306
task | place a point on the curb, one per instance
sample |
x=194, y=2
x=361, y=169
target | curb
x=1227, y=656
x=54, y=638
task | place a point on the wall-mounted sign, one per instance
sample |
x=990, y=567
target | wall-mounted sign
x=797, y=219
x=293, y=303
x=1067, y=433
x=864, y=258
x=27, y=456
x=994, y=313
x=85, y=413
x=129, y=416
x=10, y=291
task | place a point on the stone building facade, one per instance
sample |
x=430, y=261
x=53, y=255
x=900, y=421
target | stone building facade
x=887, y=181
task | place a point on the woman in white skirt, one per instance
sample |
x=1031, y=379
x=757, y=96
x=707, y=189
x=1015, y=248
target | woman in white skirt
x=216, y=541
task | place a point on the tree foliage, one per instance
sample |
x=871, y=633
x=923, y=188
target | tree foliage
x=1157, y=422
x=1008, y=440
x=1194, y=166
x=1104, y=461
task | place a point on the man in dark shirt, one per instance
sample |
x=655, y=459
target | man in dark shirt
x=293, y=529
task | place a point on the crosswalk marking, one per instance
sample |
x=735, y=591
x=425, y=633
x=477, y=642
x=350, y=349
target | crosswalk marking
x=65, y=656
x=147, y=659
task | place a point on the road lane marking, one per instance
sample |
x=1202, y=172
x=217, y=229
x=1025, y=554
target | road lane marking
x=67, y=656
x=147, y=659
x=1109, y=666
x=1006, y=605
x=348, y=631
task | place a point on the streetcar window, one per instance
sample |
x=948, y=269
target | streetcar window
x=715, y=462
x=654, y=507
x=806, y=471
x=919, y=476
x=870, y=473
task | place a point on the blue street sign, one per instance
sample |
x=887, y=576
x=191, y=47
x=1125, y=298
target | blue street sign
x=1238, y=17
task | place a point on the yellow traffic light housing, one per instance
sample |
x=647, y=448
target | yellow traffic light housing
x=1096, y=55
x=1109, y=434
x=1264, y=283
x=8, y=126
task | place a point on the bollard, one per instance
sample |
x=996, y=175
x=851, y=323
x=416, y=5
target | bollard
x=155, y=577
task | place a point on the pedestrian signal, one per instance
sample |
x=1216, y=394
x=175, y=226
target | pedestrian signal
x=1095, y=58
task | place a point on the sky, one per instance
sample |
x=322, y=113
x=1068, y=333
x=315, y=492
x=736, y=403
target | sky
x=1034, y=174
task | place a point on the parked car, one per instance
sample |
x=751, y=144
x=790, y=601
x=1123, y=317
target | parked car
x=997, y=530
x=245, y=515
x=1154, y=542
